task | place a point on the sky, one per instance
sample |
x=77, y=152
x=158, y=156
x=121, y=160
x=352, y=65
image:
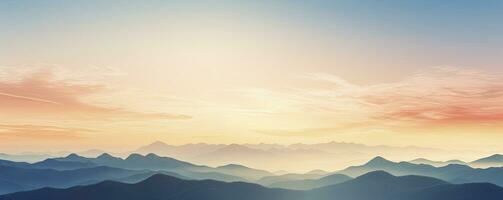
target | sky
x=116, y=75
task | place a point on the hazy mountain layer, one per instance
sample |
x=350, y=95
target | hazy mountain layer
x=452, y=173
x=372, y=186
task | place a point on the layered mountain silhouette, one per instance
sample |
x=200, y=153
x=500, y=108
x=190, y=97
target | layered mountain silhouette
x=159, y=187
x=281, y=157
x=377, y=185
x=491, y=161
x=62, y=165
x=134, y=161
x=18, y=179
x=13, y=164
x=380, y=185
x=495, y=160
x=77, y=170
x=437, y=163
x=308, y=184
x=452, y=172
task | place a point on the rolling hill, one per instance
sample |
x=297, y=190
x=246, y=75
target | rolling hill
x=377, y=185
x=453, y=173
x=16, y=179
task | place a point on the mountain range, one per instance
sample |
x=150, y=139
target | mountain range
x=495, y=160
x=377, y=185
x=328, y=156
x=75, y=170
x=453, y=172
x=21, y=179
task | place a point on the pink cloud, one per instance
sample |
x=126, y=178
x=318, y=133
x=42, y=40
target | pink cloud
x=41, y=93
x=23, y=131
x=443, y=96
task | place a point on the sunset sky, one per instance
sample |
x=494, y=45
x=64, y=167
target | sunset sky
x=116, y=75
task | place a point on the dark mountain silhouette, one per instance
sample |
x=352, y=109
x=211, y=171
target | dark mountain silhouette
x=160, y=187
x=453, y=173
x=311, y=183
x=28, y=178
x=7, y=186
x=143, y=176
x=466, y=191
x=73, y=157
x=134, y=161
x=108, y=160
x=13, y=164
x=377, y=185
x=154, y=162
x=61, y=165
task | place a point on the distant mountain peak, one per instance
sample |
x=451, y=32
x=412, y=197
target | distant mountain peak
x=152, y=155
x=73, y=155
x=378, y=161
x=134, y=156
x=105, y=155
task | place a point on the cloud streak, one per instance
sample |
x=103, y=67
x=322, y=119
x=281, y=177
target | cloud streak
x=37, y=132
x=442, y=96
x=40, y=93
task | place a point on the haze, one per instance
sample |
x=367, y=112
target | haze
x=116, y=76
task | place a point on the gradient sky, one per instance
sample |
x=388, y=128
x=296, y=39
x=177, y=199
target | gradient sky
x=115, y=75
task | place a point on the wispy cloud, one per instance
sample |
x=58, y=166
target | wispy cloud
x=435, y=97
x=439, y=95
x=39, y=92
x=37, y=132
x=445, y=95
